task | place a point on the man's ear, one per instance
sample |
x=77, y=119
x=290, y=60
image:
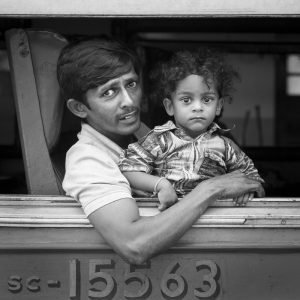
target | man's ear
x=168, y=104
x=77, y=108
x=219, y=106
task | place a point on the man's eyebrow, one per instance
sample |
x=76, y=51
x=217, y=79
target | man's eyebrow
x=110, y=84
x=116, y=82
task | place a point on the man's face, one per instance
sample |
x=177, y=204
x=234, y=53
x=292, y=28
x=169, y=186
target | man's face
x=114, y=107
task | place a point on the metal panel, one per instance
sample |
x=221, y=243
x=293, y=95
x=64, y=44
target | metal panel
x=149, y=8
x=40, y=176
x=185, y=275
x=49, y=250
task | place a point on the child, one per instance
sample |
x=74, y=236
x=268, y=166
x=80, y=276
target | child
x=173, y=158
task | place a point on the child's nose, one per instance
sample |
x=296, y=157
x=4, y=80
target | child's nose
x=198, y=106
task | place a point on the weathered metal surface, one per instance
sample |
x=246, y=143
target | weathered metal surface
x=175, y=274
x=49, y=250
x=171, y=8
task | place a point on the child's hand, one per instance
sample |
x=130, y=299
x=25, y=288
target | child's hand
x=166, y=194
x=243, y=199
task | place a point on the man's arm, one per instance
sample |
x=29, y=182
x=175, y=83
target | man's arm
x=136, y=239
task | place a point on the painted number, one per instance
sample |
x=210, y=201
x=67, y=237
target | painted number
x=130, y=276
x=209, y=278
x=95, y=275
x=170, y=279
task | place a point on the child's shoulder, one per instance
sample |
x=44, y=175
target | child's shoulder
x=169, y=125
x=157, y=135
x=229, y=143
x=159, y=130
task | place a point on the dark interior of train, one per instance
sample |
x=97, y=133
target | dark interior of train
x=264, y=111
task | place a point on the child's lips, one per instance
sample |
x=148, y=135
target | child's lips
x=198, y=118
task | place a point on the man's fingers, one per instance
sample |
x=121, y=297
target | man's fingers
x=260, y=192
x=240, y=200
x=251, y=196
x=237, y=200
x=257, y=187
x=247, y=197
x=243, y=199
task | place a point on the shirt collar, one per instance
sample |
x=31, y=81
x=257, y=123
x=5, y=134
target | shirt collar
x=170, y=126
x=165, y=127
x=95, y=136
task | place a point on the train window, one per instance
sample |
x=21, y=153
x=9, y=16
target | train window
x=265, y=107
x=293, y=75
x=7, y=129
x=253, y=111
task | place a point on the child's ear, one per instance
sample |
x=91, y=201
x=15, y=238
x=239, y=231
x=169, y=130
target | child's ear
x=77, y=108
x=168, y=104
x=219, y=106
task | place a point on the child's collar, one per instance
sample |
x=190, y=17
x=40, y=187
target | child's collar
x=170, y=126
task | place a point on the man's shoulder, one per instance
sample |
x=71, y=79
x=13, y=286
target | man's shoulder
x=81, y=146
x=91, y=143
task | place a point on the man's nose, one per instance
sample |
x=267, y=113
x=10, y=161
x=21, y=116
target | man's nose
x=126, y=98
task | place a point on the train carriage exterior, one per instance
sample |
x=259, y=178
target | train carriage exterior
x=48, y=248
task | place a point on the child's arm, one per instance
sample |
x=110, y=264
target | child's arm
x=236, y=159
x=158, y=185
x=137, y=162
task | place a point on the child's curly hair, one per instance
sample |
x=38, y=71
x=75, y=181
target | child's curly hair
x=208, y=63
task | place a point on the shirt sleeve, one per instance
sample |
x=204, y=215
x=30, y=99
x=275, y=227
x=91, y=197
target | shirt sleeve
x=141, y=156
x=93, y=178
x=236, y=159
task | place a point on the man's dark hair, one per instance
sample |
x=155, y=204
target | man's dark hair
x=87, y=63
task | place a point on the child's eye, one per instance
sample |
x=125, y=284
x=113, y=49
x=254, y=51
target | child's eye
x=109, y=93
x=186, y=99
x=132, y=84
x=207, y=99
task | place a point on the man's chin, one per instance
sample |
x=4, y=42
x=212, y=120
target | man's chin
x=131, y=128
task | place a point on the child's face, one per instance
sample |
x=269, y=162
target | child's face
x=194, y=105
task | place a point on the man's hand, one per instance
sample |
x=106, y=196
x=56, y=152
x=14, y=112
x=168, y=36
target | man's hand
x=235, y=185
x=243, y=200
x=166, y=194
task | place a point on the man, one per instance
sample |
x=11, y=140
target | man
x=100, y=80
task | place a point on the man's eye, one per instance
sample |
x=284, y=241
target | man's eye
x=132, y=84
x=108, y=93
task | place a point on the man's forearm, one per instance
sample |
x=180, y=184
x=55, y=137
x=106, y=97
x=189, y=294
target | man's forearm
x=141, y=238
x=159, y=232
x=137, y=239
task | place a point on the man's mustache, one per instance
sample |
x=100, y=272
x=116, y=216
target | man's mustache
x=129, y=110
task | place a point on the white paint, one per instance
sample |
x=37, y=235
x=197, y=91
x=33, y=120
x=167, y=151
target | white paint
x=148, y=7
